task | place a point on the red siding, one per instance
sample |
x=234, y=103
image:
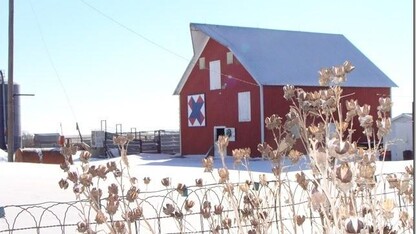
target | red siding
x=221, y=106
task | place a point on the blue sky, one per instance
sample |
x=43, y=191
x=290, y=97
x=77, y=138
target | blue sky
x=120, y=61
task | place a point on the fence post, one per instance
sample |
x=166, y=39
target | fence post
x=140, y=143
x=159, y=142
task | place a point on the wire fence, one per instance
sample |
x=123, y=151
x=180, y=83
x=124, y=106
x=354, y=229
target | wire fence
x=266, y=207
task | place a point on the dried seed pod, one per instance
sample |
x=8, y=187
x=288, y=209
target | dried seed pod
x=263, y=179
x=244, y=187
x=85, y=156
x=404, y=218
x=113, y=189
x=146, y=180
x=324, y=76
x=218, y=209
x=294, y=156
x=69, y=150
x=367, y=170
x=348, y=67
x=246, y=212
x=344, y=173
x=133, y=215
x=169, y=209
x=226, y=223
x=206, y=211
x=240, y=154
x=385, y=104
x=265, y=149
x=77, y=189
x=208, y=163
x=120, y=140
x=222, y=144
x=206, y=204
x=92, y=170
x=120, y=227
x=387, y=206
x=134, y=180
x=72, y=176
x=181, y=189
x=117, y=173
x=300, y=219
x=223, y=174
x=101, y=172
x=199, y=182
x=82, y=227
x=100, y=218
x=132, y=194
x=96, y=194
x=289, y=92
x=63, y=184
x=86, y=179
x=410, y=170
x=165, y=181
x=178, y=215
x=273, y=122
x=277, y=170
x=317, y=200
x=189, y=204
x=112, y=204
x=354, y=225
x=65, y=166
x=263, y=215
x=302, y=181
x=137, y=213
x=111, y=166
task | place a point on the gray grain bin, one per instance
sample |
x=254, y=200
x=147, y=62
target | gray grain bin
x=3, y=116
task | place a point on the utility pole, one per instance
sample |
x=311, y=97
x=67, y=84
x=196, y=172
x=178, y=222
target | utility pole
x=10, y=87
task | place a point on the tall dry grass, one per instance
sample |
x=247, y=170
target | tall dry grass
x=340, y=193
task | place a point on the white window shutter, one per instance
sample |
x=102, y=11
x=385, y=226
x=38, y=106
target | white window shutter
x=230, y=58
x=215, y=75
x=244, y=107
x=202, y=63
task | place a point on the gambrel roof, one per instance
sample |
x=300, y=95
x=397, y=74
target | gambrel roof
x=280, y=57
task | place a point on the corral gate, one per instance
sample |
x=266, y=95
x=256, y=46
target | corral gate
x=158, y=141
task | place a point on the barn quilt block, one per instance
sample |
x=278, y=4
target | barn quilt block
x=196, y=110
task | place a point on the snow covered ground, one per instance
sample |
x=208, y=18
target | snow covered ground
x=27, y=183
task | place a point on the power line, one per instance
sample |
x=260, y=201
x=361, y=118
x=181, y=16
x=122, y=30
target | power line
x=132, y=31
x=51, y=61
x=154, y=43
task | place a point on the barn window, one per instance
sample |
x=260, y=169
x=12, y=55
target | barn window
x=244, y=107
x=215, y=75
x=202, y=63
x=230, y=58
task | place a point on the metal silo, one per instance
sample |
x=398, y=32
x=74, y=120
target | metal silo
x=3, y=115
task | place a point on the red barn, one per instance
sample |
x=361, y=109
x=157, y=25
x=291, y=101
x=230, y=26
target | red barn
x=236, y=77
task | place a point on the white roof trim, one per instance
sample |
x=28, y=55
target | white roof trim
x=199, y=41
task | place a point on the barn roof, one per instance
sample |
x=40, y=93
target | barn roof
x=280, y=57
x=403, y=116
